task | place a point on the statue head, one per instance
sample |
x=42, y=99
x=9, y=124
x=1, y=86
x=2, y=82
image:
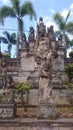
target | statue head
x=40, y=19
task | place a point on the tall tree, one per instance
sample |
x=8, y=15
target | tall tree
x=18, y=11
x=9, y=39
x=64, y=27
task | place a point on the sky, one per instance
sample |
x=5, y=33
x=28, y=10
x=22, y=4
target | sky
x=43, y=8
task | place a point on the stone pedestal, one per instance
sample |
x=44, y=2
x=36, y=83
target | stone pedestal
x=46, y=110
x=7, y=111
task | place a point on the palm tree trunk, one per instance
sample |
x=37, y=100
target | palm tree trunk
x=18, y=41
x=9, y=49
x=64, y=43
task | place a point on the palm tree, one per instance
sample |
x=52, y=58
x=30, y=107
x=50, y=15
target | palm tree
x=64, y=27
x=18, y=11
x=1, y=19
x=10, y=39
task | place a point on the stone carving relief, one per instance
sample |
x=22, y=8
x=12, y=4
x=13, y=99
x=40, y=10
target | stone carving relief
x=41, y=29
x=31, y=37
x=60, y=40
x=24, y=40
x=8, y=94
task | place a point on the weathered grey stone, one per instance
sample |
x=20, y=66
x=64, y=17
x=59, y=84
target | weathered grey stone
x=27, y=64
x=65, y=128
x=58, y=64
x=46, y=110
x=7, y=111
x=43, y=45
x=43, y=84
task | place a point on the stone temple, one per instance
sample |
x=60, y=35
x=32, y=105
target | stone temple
x=41, y=61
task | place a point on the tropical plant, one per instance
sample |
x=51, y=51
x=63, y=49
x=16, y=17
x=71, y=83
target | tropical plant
x=1, y=98
x=10, y=39
x=5, y=55
x=69, y=71
x=18, y=11
x=24, y=88
x=1, y=18
x=71, y=54
x=65, y=27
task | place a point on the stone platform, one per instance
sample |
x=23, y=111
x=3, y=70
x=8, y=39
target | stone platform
x=35, y=124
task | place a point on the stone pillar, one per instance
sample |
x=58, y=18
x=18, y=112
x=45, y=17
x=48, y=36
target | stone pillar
x=46, y=106
x=7, y=103
x=58, y=68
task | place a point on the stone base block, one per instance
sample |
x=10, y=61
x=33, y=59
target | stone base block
x=46, y=110
x=7, y=111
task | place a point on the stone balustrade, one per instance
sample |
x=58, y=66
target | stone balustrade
x=13, y=64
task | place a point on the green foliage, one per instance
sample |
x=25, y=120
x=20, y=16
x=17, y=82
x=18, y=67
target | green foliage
x=6, y=55
x=61, y=21
x=23, y=87
x=64, y=27
x=65, y=83
x=1, y=97
x=71, y=54
x=69, y=71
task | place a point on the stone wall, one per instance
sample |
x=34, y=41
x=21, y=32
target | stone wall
x=41, y=63
x=33, y=124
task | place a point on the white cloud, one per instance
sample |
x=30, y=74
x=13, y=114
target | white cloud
x=64, y=12
x=71, y=6
x=49, y=21
x=71, y=9
x=70, y=36
x=36, y=0
x=51, y=11
x=5, y=1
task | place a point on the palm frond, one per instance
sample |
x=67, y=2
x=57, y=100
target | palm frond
x=1, y=18
x=3, y=39
x=7, y=34
x=16, y=7
x=58, y=18
x=68, y=41
x=67, y=17
x=71, y=43
x=69, y=27
x=7, y=11
x=28, y=9
x=13, y=38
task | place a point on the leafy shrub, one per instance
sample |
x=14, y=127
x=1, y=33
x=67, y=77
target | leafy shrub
x=69, y=71
x=22, y=88
x=6, y=55
x=71, y=54
x=1, y=97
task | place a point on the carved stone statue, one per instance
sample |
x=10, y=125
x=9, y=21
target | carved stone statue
x=4, y=65
x=50, y=33
x=8, y=91
x=41, y=29
x=23, y=40
x=7, y=106
x=23, y=37
x=31, y=37
x=60, y=40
